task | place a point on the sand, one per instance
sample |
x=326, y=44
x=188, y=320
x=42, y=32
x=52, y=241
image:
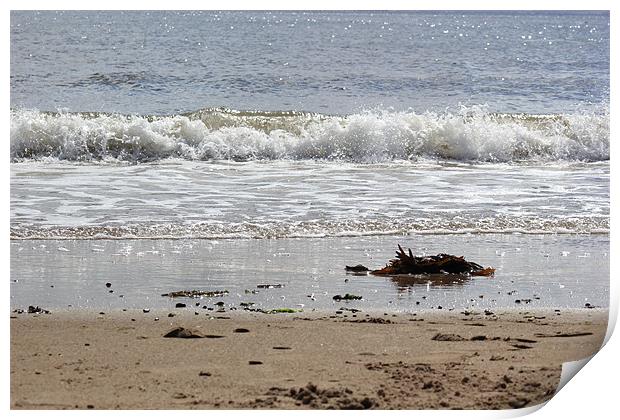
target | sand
x=437, y=359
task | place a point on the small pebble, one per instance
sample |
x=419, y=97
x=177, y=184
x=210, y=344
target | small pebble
x=241, y=330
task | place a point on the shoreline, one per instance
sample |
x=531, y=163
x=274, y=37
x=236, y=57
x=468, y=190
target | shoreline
x=309, y=272
x=80, y=359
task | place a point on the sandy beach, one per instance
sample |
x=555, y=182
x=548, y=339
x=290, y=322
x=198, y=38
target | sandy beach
x=315, y=359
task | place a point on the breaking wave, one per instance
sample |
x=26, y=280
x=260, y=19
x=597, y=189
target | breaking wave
x=472, y=134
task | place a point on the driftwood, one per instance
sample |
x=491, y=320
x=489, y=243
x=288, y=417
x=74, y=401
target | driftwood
x=407, y=263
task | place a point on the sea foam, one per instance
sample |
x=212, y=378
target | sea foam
x=469, y=135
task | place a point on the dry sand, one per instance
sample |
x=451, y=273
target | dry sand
x=436, y=359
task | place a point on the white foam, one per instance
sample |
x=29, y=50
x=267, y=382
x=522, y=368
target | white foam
x=471, y=134
x=317, y=229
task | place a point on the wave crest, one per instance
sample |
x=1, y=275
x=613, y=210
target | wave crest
x=471, y=134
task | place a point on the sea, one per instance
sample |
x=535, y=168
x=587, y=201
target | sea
x=161, y=151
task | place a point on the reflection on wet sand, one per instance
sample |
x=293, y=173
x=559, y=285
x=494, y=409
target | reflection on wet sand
x=404, y=281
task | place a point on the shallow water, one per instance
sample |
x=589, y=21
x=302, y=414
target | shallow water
x=303, y=199
x=554, y=271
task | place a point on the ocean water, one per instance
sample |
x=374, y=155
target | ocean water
x=338, y=133
x=326, y=62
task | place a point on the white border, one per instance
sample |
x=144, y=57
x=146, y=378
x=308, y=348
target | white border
x=593, y=394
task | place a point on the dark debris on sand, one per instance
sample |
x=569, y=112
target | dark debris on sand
x=447, y=337
x=33, y=310
x=370, y=321
x=328, y=398
x=347, y=296
x=181, y=332
x=196, y=293
x=356, y=268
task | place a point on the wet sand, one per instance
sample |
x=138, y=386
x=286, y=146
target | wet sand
x=429, y=360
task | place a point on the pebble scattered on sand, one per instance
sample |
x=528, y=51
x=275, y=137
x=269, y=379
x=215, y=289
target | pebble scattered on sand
x=447, y=337
x=181, y=332
x=241, y=330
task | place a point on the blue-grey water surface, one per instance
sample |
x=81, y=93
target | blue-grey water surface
x=328, y=62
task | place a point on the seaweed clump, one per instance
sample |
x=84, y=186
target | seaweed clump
x=196, y=293
x=407, y=263
x=347, y=297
